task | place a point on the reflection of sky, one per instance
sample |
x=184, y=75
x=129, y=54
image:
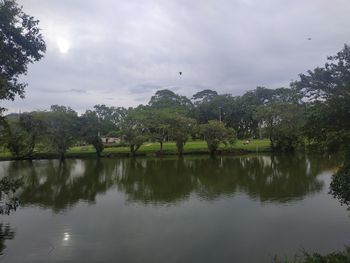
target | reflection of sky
x=66, y=236
x=225, y=230
x=191, y=228
x=120, y=52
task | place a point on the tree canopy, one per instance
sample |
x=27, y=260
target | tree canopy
x=21, y=43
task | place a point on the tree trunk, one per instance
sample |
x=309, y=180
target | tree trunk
x=180, y=148
x=62, y=156
x=132, y=150
x=161, y=146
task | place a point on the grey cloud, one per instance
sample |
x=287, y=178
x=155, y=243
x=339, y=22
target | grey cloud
x=144, y=88
x=64, y=91
x=125, y=50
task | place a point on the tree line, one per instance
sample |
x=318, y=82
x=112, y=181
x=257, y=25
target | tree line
x=313, y=111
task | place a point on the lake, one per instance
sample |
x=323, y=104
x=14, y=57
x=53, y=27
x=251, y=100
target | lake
x=194, y=209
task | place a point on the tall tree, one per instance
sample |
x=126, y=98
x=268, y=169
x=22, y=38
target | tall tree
x=21, y=43
x=327, y=93
x=34, y=127
x=210, y=106
x=204, y=96
x=156, y=121
x=17, y=140
x=215, y=132
x=62, y=128
x=133, y=131
x=168, y=99
x=110, y=118
x=180, y=129
x=283, y=122
x=89, y=130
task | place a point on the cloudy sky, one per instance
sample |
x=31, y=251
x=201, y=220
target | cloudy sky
x=120, y=52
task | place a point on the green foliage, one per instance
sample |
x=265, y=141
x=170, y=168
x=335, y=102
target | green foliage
x=340, y=185
x=204, y=96
x=17, y=141
x=214, y=133
x=21, y=133
x=180, y=128
x=113, y=134
x=211, y=106
x=168, y=99
x=156, y=121
x=133, y=132
x=61, y=128
x=89, y=130
x=34, y=127
x=284, y=122
x=110, y=118
x=327, y=91
x=20, y=44
x=8, y=186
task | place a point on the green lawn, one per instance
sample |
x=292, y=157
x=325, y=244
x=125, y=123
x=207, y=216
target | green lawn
x=170, y=147
x=149, y=148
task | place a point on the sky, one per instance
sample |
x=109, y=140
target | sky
x=119, y=52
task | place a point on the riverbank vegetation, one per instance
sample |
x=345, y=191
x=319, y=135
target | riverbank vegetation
x=148, y=149
x=312, y=113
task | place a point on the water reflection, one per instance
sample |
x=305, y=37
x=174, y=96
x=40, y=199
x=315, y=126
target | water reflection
x=58, y=186
x=340, y=186
x=6, y=233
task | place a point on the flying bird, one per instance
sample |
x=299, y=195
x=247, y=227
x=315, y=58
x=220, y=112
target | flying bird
x=309, y=38
x=180, y=73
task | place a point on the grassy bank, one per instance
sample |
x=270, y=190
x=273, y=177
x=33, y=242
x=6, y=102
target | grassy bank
x=169, y=148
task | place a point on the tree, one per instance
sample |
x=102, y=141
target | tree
x=110, y=118
x=209, y=106
x=156, y=121
x=20, y=44
x=204, y=96
x=327, y=93
x=61, y=123
x=133, y=132
x=17, y=140
x=241, y=117
x=168, y=99
x=284, y=122
x=180, y=129
x=214, y=133
x=34, y=127
x=340, y=185
x=89, y=130
x=21, y=132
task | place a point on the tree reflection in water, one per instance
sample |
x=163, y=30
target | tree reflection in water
x=8, y=203
x=340, y=186
x=264, y=178
x=58, y=186
x=6, y=233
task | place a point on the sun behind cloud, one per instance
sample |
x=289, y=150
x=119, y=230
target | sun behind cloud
x=63, y=45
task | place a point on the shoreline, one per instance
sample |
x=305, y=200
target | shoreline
x=150, y=149
x=111, y=155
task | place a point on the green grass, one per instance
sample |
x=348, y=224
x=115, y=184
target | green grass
x=191, y=147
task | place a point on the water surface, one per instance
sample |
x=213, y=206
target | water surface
x=195, y=209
